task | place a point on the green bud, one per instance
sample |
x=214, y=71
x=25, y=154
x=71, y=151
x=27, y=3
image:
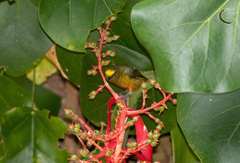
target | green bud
x=89, y=72
x=130, y=144
x=155, y=136
x=108, y=153
x=111, y=151
x=109, y=39
x=119, y=105
x=108, y=52
x=156, y=109
x=101, y=135
x=157, y=120
x=107, y=21
x=84, y=135
x=131, y=123
x=73, y=157
x=77, y=125
x=144, y=85
x=76, y=129
x=89, y=143
x=159, y=127
x=107, y=33
x=98, y=52
x=93, y=93
x=94, y=72
x=114, y=17
x=70, y=127
x=93, y=44
x=135, y=119
x=67, y=111
x=85, y=152
x=153, y=144
x=149, y=141
x=152, y=81
x=103, y=63
x=161, y=108
x=115, y=37
x=75, y=116
x=150, y=134
x=112, y=54
x=95, y=134
x=135, y=144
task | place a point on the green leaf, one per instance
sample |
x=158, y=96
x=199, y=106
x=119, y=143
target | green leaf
x=68, y=23
x=44, y=99
x=181, y=150
x=194, y=46
x=29, y=136
x=126, y=56
x=71, y=63
x=88, y=84
x=210, y=123
x=122, y=26
x=23, y=42
x=12, y=95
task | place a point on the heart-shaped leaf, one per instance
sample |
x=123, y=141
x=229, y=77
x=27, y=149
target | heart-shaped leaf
x=210, y=123
x=68, y=22
x=194, y=45
x=23, y=41
x=29, y=136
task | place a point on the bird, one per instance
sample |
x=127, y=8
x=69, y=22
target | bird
x=125, y=77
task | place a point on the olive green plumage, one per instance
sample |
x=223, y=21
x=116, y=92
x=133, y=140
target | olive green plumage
x=125, y=77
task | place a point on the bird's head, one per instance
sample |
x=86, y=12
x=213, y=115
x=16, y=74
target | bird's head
x=110, y=73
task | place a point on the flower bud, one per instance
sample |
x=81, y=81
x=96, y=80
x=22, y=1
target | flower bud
x=73, y=157
x=114, y=17
x=115, y=37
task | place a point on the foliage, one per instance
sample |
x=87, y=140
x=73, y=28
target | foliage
x=188, y=46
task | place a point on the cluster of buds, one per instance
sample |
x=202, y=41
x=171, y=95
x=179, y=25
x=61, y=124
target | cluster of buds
x=154, y=136
x=105, y=62
x=110, y=53
x=93, y=94
x=91, y=45
x=92, y=72
x=132, y=122
x=109, y=39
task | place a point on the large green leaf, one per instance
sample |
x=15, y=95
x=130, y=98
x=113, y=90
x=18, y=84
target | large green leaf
x=12, y=95
x=68, y=22
x=122, y=26
x=29, y=136
x=194, y=44
x=23, y=42
x=71, y=63
x=210, y=123
x=181, y=150
x=124, y=56
x=44, y=99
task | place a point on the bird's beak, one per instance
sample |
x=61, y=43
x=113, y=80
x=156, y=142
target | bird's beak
x=108, y=78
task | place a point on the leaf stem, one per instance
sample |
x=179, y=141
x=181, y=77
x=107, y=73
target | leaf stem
x=33, y=86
